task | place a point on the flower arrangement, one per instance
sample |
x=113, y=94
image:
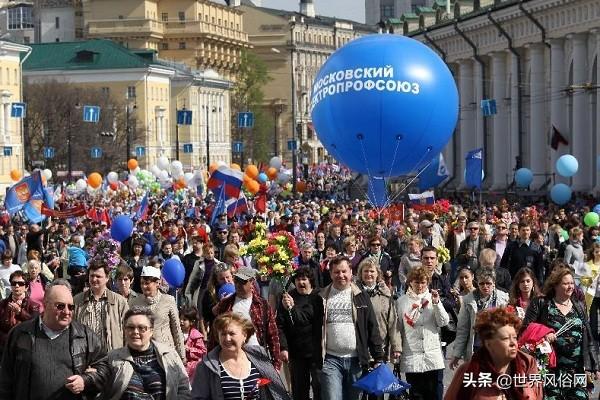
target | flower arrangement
x=274, y=253
x=106, y=250
x=443, y=254
x=413, y=315
x=541, y=352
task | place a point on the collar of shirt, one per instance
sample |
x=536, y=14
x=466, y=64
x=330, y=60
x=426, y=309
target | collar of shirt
x=524, y=242
x=52, y=334
x=103, y=296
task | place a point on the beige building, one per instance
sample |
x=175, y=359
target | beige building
x=199, y=33
x=11, y=129
x=295, y=43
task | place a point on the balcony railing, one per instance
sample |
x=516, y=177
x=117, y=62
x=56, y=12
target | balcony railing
x=177, y=27
x=125, y=26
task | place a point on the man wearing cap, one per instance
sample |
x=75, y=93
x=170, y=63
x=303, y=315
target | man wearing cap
x=469, y=249
x=256, y=309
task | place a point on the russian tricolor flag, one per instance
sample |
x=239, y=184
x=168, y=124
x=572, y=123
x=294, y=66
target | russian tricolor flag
x=422, y=201
x=142, y=210
x=236, y=206
x=229, y=178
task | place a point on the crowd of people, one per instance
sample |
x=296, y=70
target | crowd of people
x=457, y=284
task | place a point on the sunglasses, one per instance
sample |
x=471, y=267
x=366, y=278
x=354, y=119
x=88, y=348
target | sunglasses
x=474, y=229
x=376, y=244
x=501, y=227
x=139, y=328
x=62, y=306
x=18, y=283
x=485, y=283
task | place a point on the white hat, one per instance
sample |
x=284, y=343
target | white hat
x=150, y=272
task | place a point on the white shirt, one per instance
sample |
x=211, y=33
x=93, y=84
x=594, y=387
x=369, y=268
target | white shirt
x=242, y=306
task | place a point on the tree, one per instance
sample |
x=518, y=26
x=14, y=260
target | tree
x=248, y=96
x=55, y=112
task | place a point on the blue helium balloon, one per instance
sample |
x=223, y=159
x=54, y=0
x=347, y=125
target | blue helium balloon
x=173, y=272
x=262, y=177
x=384, y=105
x=523, y=177
x=121, y=228
x=560, y=194
x=567, y=166
x=377, y=192
x=597, y=209
x=147, y=249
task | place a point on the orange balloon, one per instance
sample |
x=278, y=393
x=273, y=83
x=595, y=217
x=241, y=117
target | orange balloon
x=236, y=167
x=247, y=179
x=272, y=173
x=213, y=167
x=16, y=175
x=252, y=171
x=132, y=164
x=94, y=180
x=253, y=186
x=300, y=186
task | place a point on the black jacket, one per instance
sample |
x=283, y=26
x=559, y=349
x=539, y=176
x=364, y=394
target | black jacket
x=518, y=255
x=86, y=349
x=473, y=261
x=538, y=312
x=298, y=333
x=369, y=343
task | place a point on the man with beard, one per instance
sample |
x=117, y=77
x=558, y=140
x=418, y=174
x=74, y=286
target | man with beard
x=299, y=335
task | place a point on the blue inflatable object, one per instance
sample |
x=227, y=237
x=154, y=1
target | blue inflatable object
x=121, y=228
x=560, y=194
x=147, y=249
x=384, y=105
x=380, y=381
x=596, y=209
x=567, y=166
x=262, y=177
x=377, y=192
x=173, y=272
x=226, y=290
x=523, y=177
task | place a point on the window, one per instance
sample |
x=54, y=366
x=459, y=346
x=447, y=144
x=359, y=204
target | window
x=26, y=40
x=387, y=11
x=57, y=22
x=181, y=15
x=181, y=45
x=165, y=17
x=105, y=91
x=57, y=40
x=20, y=18
x=120, y=17
x=79, y=33
x=131, y=92
x=164, y=46
x=8, y=151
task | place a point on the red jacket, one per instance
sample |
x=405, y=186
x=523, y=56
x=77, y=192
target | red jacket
x=9, y=319
x=195, y=350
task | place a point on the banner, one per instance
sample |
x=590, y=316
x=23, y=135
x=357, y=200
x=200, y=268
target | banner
x=77, y=211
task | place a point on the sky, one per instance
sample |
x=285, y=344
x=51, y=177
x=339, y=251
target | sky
x=346, y=9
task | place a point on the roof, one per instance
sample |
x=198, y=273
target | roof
x=317, y=20
x=422, y=9
x=84, y=55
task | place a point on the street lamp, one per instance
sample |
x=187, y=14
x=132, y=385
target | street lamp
x=214, y=109
x=278, y=108
x=69, y=139
x=129, y=107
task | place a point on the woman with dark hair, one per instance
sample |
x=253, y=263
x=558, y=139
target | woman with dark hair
x=6, y=269
x=195, y=348
x=524, y=288
x=499, y=354
x=575, y=347
x=219, y=275
x=17, y=307
x=233, y=370
x=144, y=368
x=137, y=261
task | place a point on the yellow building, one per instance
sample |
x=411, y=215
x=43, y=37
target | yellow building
x=140, y=80
x=11, y=128
x=199, y=33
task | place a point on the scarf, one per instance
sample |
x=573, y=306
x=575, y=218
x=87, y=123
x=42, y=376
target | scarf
x=421, y=302
x=481, y=362
x=484, y=304
x=153, y=301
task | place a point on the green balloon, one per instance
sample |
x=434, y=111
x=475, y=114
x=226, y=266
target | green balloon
x=564, y=234
x=591, y=219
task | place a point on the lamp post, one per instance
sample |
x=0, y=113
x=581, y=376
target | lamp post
x=277, y=111
x=214, y=109
x=128, y=109
x=293, y=71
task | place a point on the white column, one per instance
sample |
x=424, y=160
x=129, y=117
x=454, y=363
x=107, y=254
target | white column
x=515, y=116
x=538, y=142
x=478, y=94
x=499, y=157
x=3, y=122
x=7, y=132
x=596, y=93
x=558, y=100
x=467, y=116
x=582, y=140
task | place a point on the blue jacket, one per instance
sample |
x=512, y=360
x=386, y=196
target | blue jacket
x=77, y=256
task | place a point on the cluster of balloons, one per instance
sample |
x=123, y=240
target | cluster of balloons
x=566, y=166
x=253, y=178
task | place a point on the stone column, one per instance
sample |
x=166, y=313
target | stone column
x=595, y=43
x=499, y=157
x=467, y=139
x=515, y=127
x=582, y=139
x=538, y=142
x=558, y=100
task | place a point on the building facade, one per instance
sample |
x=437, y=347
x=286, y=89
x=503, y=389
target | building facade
x=381, y=10
x=200, y=33
x=11, y=129
x=539, y=60
x=294, y=46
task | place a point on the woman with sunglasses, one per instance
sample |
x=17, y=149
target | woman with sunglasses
x=6, y=268
x=144, y=368
x=483, y=297
x=17, y=307
x=167, y=328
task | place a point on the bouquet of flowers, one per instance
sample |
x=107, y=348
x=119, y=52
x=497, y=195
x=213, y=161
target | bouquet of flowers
x=415, y=312
x=443, y=254
x=534, y=343
x=106, y=250
x=274, y=253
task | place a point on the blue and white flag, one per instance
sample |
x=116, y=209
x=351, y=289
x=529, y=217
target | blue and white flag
x=474, y=169
x=434, y=174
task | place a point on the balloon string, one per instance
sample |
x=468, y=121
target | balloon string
x=395, y=155
x=370, y=185
x=414, y=178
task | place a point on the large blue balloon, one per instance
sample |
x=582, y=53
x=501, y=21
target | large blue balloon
x=560, y=194
x=597, y=209
x=567, y=166
x=121, y=228
x=523, y=177
x=384, y=105
x=147, y=249
x=377, y=192
x=173, y=272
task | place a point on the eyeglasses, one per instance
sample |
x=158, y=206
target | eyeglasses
x=222, y=233
x=485, y=283
x=501, y=227
x=62, y=306
x=376, y=244
x=474, y=229
x=18, y=283
x=139, y=328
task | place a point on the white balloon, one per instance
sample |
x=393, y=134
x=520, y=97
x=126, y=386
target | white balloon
x=176, y=164
x=163, y=163
x=221, y=163
x=155, y=170
x=188, y=176
x=80, y=184
x=112, y=177
x=163, y=176
x=47, y=174
x=275, y=162
x=133, y=182
x=176, y=173
x=135, y=171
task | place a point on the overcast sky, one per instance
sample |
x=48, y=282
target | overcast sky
x=347, y=9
